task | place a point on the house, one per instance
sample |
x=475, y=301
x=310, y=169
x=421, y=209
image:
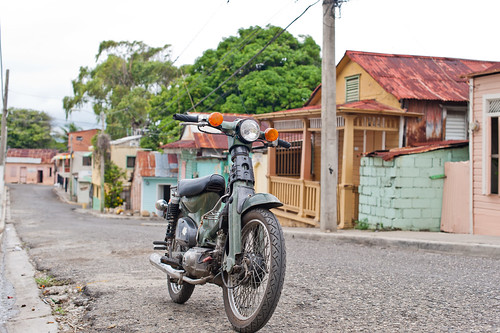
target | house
x=122, y=153
x=483, y=182
x=153, y=176
x=30, y=166
x=79, y=146
x=73, y=168
x=383, y=101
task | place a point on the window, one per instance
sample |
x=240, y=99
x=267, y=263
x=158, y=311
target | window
x=456, y=123
x=494, y=155
x=79, y=138
x=130, y=161
x=87, y=161
x=352, y=89
x=288, y=161
x=491, y=143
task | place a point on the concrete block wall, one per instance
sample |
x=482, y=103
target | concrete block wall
x=400, y=194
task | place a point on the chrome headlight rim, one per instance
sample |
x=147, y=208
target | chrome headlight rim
x=249, y=130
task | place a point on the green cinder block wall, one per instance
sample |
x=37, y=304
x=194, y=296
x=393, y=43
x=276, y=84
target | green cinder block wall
x=400, y=194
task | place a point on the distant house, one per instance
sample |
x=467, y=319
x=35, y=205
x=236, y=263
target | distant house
x=122, y=153
x=30, y=166
x=153, y=176
x=79, y=144
x=383, y=101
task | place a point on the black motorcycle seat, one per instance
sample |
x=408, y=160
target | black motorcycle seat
x=211, y=183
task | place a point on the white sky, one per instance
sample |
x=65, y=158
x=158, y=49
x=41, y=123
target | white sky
x=45, y=42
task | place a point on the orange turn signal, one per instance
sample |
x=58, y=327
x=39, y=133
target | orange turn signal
x=215, y=119
x=271, y=134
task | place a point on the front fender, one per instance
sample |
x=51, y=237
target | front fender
x=264, y=200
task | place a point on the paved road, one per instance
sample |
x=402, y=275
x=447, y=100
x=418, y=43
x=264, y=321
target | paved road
x=329, y=287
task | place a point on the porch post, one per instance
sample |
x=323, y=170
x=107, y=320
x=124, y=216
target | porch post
x=346, y=184
x=271, y=163
x=305, y=164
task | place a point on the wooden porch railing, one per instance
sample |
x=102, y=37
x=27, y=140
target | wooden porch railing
x=297, y=195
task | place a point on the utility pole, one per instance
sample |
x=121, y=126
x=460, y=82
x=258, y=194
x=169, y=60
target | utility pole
x=329, y=144
x=102, y=147
x=3, y=137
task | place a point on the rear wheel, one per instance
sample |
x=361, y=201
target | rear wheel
x=252, y=293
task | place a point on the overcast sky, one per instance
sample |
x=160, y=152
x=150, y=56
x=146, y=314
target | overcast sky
x=45, y=42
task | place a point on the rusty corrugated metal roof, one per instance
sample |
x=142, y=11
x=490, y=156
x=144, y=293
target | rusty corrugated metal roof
x=490, y=70
x=147, y=164
x=44, y=154
x=420, y=77
x=388, y=155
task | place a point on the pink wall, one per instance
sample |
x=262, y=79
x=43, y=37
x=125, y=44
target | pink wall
x=486, y=207
x=455, y=211
x=29, y=173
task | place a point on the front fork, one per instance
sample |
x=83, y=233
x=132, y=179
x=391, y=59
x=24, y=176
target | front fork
x=241, y=191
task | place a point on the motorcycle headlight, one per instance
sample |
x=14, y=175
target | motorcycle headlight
x=249, y=130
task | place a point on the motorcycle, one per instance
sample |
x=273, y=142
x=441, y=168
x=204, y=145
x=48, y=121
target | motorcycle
x=225, y=235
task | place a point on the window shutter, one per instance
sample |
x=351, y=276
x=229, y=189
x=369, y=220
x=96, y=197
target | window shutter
x=352, y=89
x=456, y=126
x=494, y=108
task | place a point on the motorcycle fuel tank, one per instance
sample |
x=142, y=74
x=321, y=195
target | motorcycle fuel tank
x=185, y=233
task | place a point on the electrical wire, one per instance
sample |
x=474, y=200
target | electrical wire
x=252, y=58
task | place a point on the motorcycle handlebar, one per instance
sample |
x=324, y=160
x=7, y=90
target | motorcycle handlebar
x=284, y=144
x=186, y=117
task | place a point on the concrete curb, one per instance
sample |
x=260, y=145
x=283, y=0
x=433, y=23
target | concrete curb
x=474, y=249
x=31, y=314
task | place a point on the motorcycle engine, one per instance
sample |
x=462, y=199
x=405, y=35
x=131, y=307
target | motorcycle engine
x=196, y=262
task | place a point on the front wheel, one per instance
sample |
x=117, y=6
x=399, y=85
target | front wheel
x=253, y=291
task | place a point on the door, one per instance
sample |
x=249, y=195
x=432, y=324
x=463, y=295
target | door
x=22, y=177
x=39, y=177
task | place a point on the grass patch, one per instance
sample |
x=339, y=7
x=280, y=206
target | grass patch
x=362, y=225
x=47, y=280
x=58, y=311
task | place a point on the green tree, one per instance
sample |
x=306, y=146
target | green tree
x=126, y=76
x=29, y=129
x=113, y=180
x=281, y=77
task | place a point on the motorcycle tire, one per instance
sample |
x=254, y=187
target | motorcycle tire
x=251, y=298
x=179, y=293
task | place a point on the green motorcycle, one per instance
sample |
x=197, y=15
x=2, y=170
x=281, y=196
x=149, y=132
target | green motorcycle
x=226, y=234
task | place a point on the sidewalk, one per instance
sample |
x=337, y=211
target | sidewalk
x=477, y=245
x=21, y=308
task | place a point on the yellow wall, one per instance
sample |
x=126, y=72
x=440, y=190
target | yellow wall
x=259, y=161
x=119, y=157
x=368, y=87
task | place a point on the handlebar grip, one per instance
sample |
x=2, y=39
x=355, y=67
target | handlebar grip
x=186, y=117
x=284, y=144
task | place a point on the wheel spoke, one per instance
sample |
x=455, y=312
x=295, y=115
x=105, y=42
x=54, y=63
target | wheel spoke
x=246, y=297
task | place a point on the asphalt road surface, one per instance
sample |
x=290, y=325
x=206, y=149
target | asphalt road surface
x=108, y=285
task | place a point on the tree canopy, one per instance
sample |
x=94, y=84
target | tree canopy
x=281, y=77
x=30, y=129
x=125, y=77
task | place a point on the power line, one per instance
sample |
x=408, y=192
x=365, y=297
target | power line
x=252, y=58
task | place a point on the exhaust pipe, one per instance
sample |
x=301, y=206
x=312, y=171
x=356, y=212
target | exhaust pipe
x=155, y=258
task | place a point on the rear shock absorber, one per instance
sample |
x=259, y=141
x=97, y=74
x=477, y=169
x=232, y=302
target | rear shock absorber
x=171, y=217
